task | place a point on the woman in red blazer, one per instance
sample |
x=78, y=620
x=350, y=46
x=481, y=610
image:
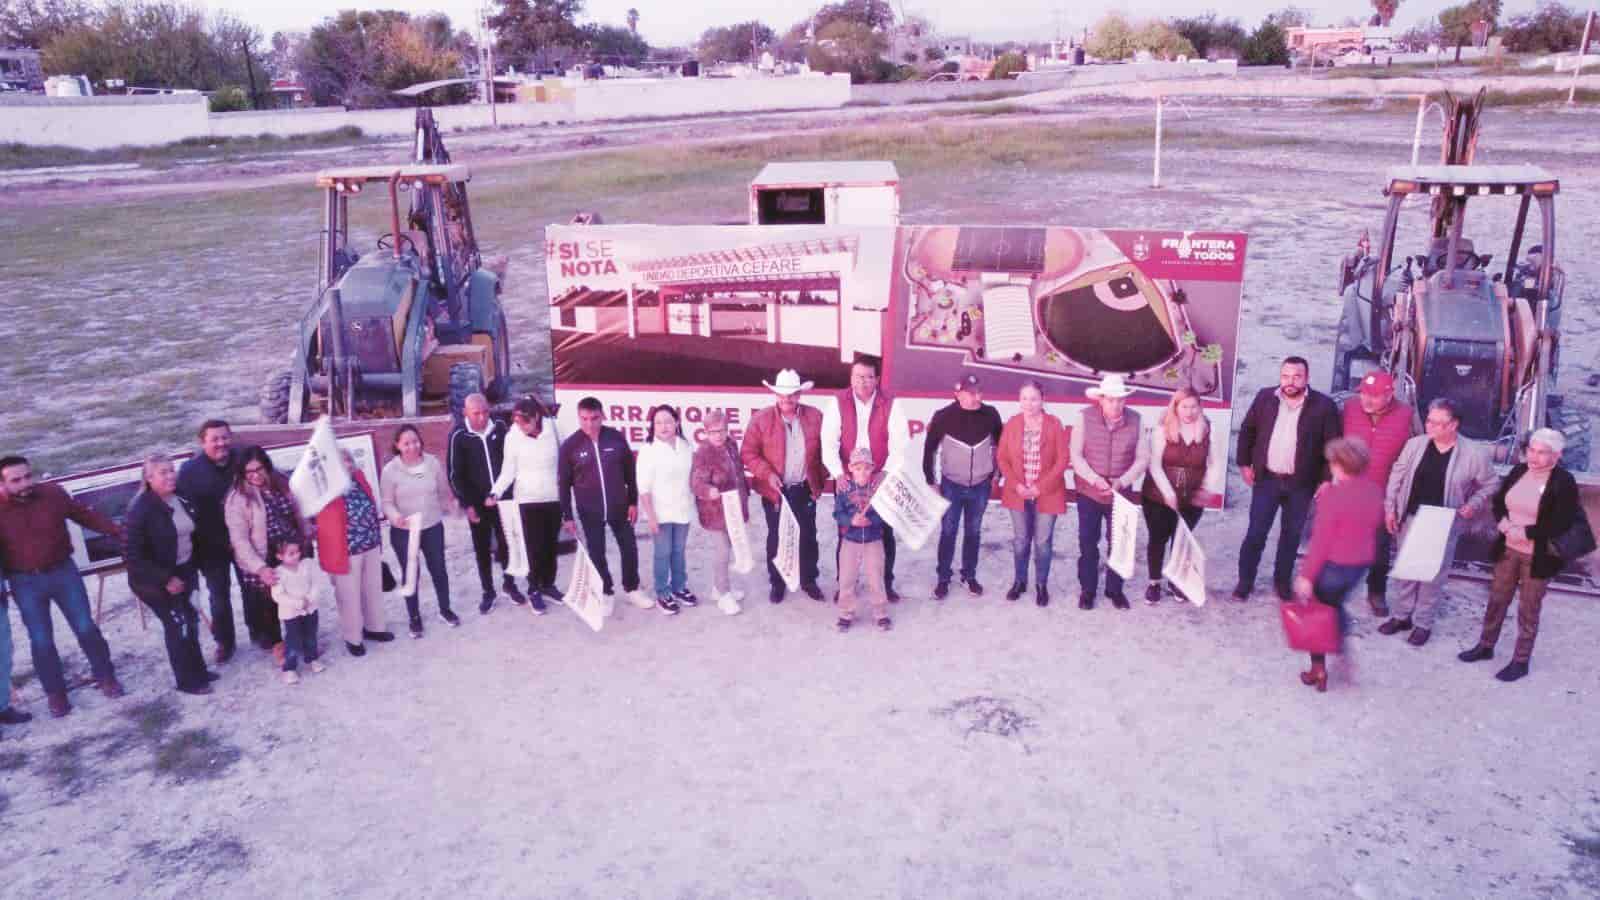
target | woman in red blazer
x=1033, y=459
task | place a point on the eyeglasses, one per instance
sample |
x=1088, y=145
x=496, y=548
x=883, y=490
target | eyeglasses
x=255, y=470
x=1436, y=423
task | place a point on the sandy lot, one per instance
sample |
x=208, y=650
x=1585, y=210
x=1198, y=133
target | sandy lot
x=982, y=749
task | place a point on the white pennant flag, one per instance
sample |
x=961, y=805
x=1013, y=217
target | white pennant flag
x=1124, y=535
x=585, y=593
x=1186, y=565
x=787, y=559
x=320, y=477
x=413, y=554
x=909, y=506
x=738, y=532
x=511, y=529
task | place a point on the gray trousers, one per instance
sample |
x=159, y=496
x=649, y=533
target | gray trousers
x=721, y=557
x=1419, y=600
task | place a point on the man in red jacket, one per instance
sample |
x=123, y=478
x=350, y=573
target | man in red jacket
x=1375, y=418
x=783, y=451
x=861, y=417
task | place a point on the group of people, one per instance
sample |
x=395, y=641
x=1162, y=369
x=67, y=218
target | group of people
x=228, y=514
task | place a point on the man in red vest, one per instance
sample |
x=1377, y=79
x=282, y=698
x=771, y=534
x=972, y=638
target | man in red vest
x=1375, y=418
x=862, y=417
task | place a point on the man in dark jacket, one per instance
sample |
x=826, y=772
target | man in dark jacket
x=472, y=461
x=204, y=481
x=964, y=437
x=595, y=476
x=36, y=560
x=1280, y=457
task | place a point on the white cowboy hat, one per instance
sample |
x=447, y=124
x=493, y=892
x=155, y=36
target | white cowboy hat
x=788, y=382
x=1110, y=386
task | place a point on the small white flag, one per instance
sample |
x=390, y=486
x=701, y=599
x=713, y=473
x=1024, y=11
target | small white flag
x=738, y=532
x=511, y=530
x=1186, y=566
x=787, y=559
x=1124, y=535
x=320, y=477
x=585, y=593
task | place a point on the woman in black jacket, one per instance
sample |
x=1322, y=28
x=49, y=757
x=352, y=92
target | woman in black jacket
x=1536, y=503
x=159, y=555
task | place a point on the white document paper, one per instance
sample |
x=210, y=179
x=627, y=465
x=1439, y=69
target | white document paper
x=320, y=477
x=1124, y=535
x=909, y=506
x=738, y=534
x=413, y=554
x=516, y=544
x=1185, y=569
x=585, y=592
x=1423, y=543
x=787, y=559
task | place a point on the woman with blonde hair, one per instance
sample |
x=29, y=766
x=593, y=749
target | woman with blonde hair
x=1181, y=465
x=159, y=553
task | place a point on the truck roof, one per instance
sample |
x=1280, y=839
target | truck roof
x=436, y=174
x=797, y=174
x=1470, y=180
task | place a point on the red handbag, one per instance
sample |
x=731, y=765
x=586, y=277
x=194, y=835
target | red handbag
x=1310, y=627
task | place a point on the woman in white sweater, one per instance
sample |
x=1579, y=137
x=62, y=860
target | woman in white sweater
x=667, y=505
x=529, y=471
x=415, y=482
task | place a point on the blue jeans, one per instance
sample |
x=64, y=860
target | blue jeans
x=1334, y=583
x=966, y=511
x=64, y=585
x=1271, y=494
x=431, y=546
x=1093, y=518
x=1029, y=526
x=672, y=570
x=5, y=658
x=299, y=640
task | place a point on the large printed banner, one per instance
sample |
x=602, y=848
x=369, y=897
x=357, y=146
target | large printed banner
x=698, y=315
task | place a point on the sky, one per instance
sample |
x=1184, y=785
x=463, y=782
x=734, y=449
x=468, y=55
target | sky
x=676, y=22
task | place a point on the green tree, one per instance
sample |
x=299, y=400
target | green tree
x=615, y=45
x=633, y=20
x=158, y=44
x=1111, y=38
x=1386, y=10
x=529, y=30
x=739, y=43
x=1552, y=27
x=358, y=59
x=35, y=23
x=852, y=47
x=874, y=14
x=1457, y=21
x=1161, y=41
x=1268, y=46
x=230, y=99
x=1291, y=17
x=1008, y=65
x=1212, y=38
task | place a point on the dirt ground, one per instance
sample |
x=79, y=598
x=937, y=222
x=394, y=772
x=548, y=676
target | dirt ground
x=981, y=749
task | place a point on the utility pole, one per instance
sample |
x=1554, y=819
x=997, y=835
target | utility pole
x=486, y=57
x=1577, y=64
x=250, y=69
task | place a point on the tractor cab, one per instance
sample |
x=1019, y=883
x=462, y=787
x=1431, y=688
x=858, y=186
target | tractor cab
x=408, y=325
x=1447, y=319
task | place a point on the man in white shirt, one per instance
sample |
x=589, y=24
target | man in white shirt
x=864, y=416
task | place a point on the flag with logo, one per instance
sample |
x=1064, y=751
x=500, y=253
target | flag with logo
x=320, y=477
x=1124, y=535
x=909, y=506
x=787, y=559
x=511, y=528
x=738, y=532
x=1185, y=569
x=585, y=592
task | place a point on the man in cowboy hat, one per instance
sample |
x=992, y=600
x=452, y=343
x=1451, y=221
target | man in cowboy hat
x=963, y=436
x=1109, y=454
x=1280, y=456
x=783, y=451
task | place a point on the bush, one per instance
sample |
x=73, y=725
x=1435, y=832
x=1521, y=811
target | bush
x=1007, y=66
x=1268, y=46
x=230, y=99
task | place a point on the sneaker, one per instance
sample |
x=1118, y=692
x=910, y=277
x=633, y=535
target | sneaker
x=737, y=595
x=1017, y=589
x=842, y=625
x=487, y=604
x=686, y=597
x=379, y=637
x=728, y=603
x=416, y=628
x=1152, y=594
x=667, y=605
x=973, y=587
x=450, y=617
x=640, y=599
x=884, y=624
x=355, y=649
x=941, y=590
x=316, y=666
x=1241, y=593
x=510, y=587
x=553, y=592
x=290, y=677
x=536, y=604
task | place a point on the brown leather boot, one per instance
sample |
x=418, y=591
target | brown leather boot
x=58, y=703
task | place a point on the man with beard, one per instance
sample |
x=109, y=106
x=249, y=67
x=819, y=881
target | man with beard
x=1280, y=457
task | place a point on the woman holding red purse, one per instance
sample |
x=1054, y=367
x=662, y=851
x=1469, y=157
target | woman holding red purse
x=1344, y=542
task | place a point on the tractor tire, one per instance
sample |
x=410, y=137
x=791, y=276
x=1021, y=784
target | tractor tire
x=466, y=379
x=1574, y=426
x=274, y=398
